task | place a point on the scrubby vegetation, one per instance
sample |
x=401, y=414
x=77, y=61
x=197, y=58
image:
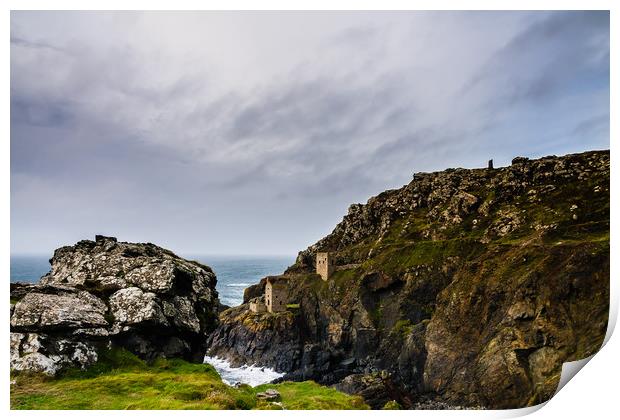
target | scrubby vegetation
x=121, y=381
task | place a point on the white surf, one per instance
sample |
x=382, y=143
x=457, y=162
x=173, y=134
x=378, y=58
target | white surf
x=251, y=375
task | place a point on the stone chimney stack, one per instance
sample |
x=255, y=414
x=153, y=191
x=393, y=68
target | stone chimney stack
x=324, y=266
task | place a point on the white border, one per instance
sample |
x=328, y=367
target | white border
x=592, y=394
x=311, y=5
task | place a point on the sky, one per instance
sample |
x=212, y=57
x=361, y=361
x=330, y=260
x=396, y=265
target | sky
x=250, y=133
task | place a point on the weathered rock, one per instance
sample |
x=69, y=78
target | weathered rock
x=377, y=280
x=20, y=289
x=461, y=205
x=133, y=306
x=372, y=387
x=180, y=310
x=109, y=293
x=48, y=354
x=267, y=339
x=108, y=265
x=269, y=394
x=67, y=308
x=519, y=160
x=513, y=332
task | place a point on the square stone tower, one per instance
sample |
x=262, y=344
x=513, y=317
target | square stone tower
x=276, y=294
x=324, y=265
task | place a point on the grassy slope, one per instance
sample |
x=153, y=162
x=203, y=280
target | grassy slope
x=122, y=381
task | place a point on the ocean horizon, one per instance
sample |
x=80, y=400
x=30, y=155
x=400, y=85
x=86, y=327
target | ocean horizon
x=234, y=272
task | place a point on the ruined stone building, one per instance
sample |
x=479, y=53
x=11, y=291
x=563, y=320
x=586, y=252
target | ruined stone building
x=276, y=294
x=275, y=297
x=257, y=305
x=324, y=265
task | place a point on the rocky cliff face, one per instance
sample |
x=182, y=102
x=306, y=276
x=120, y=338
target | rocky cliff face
x=266, y=339
x=109, y=293
x=465, y=287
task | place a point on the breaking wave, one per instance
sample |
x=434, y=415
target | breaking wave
x=251, y=375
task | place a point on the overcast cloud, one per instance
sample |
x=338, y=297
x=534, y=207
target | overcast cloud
x=251, y=133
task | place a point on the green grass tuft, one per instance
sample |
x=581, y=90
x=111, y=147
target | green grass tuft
x=403, y=327
x=309, y=395
x=392, y=405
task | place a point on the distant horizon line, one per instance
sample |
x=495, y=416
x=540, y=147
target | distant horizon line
x=181, y=254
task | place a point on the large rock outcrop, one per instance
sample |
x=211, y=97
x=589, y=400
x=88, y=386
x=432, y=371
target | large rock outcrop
x=462, y=288
x=106, y=293
x=267, y=339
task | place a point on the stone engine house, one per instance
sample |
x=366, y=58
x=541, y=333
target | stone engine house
x=324, y=265
x=257, y=306
x=276, y=294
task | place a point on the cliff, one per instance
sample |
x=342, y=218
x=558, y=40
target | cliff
x=464, y=287
x=104, y=293
x=265, y=339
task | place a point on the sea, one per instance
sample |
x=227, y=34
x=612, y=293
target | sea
x=234, y=274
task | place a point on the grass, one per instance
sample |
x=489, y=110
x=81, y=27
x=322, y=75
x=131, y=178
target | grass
x=310, y=396
x=343, y=282
x=121, y=381
x=397, y=258
x=403, y=327
x=392, y=405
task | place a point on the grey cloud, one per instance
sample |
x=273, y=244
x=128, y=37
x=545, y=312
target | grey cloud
x=176, y=129
x=555, y=55
x=30, y=44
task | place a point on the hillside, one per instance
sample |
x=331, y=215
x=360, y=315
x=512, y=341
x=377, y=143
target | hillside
x=464, y=287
